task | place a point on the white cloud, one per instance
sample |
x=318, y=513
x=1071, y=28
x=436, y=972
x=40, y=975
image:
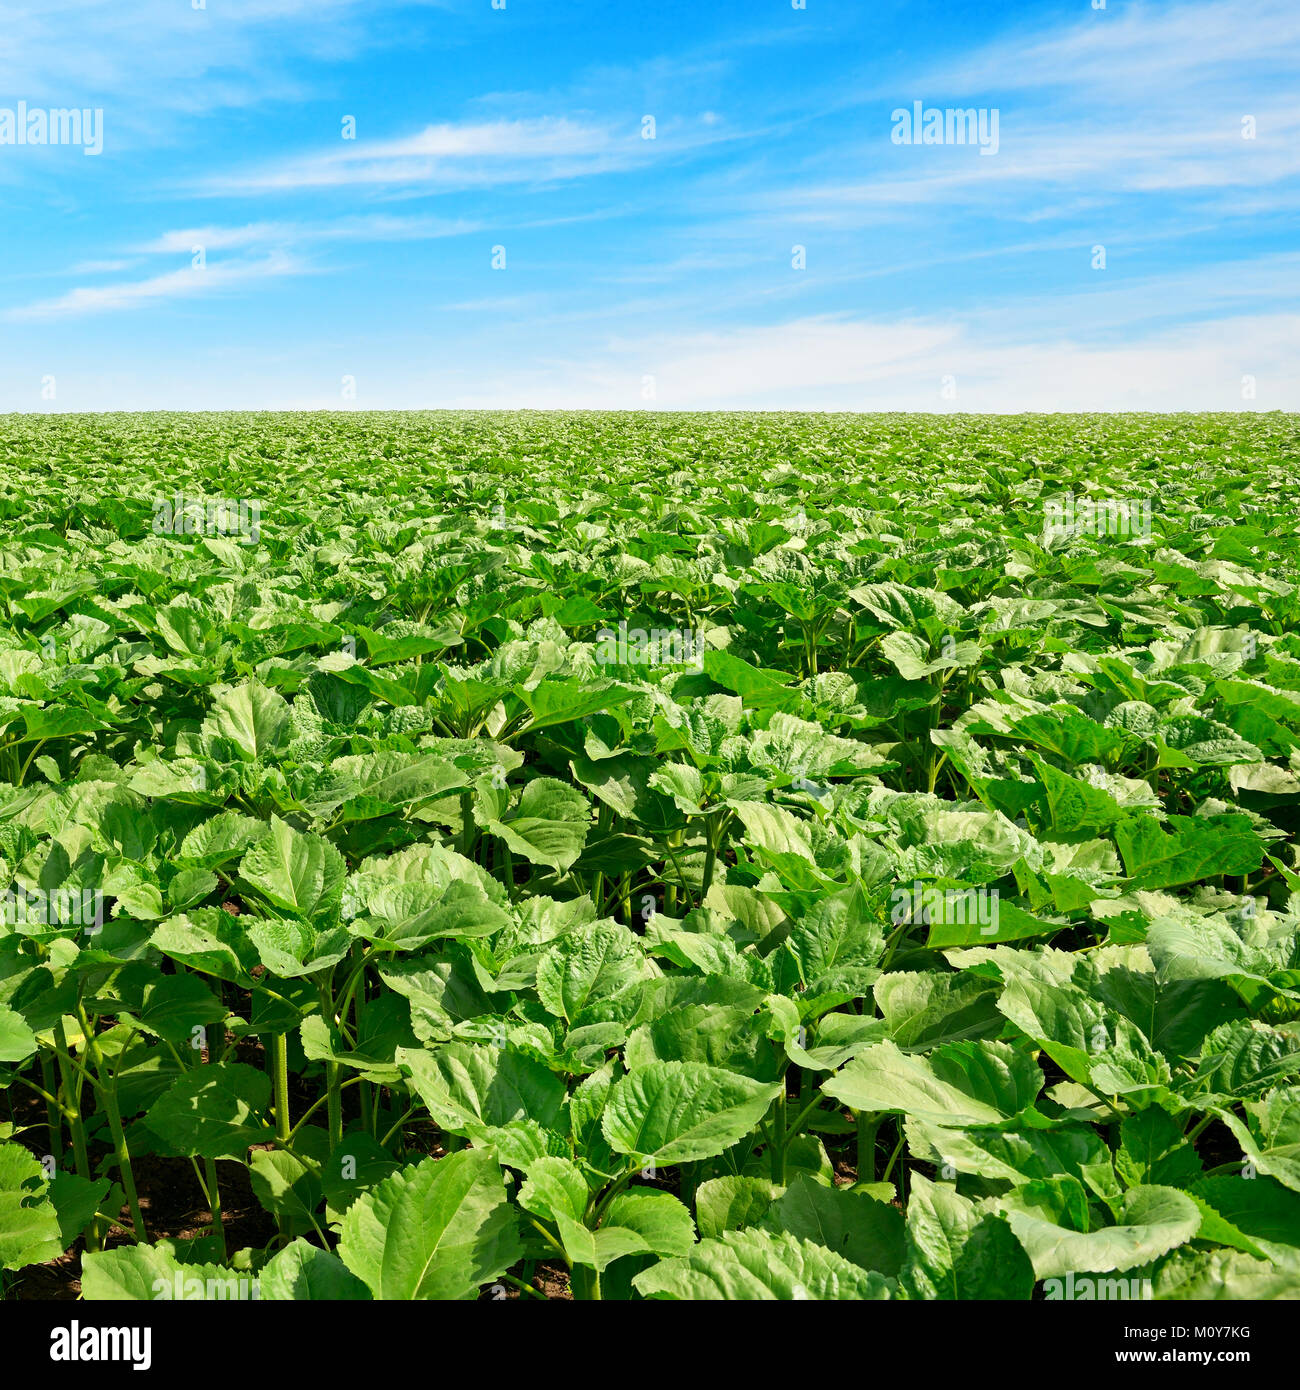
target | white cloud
x=1144, y=53
x=166, y=55
x=839, y=364
x=843, y=364
x=377, y=227
x=175, y=284
x=1041, y=159
x=469, y=154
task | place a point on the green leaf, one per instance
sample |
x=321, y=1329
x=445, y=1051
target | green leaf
x=1197, y=848
x=956, y=1251
x=251, y=717
x=579, y=978
x=214, y=1111
x=296, y=872
x=868, y=1232
x=732, y=1203
x=440, y=1229
x=285, y=1187
x=677, y=1112
x=304, y=1273
x=960, y=1083
x=1152, y=1221
x=638, y=1222
x=17, y=1041
x=549, y=825
x=760, y=1266
x=29, y=1224
x=470, y=1088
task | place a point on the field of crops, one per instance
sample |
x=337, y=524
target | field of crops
x=649, y=857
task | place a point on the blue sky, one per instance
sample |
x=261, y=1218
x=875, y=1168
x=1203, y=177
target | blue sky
x=359, y=273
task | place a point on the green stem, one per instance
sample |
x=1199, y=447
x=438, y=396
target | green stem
x=383, y=1143
x=868, y=1127
x=713, y=839
x=72, y=1107
x=797, y=1124
x=335, y=1094
x=316, y=1105
x=280, y=1086
x=548, y=1237
x=333, y=1072
x=36, y=749
x=779, y=1138
x=108, y=1095
x=508, y=869
x=893, y=1158
x=53, y=1118
x=466, y=823
x=524, y=1287
x=212, y=1191
x=1202, y=1124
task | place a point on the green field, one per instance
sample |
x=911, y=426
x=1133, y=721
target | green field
x=649, y=856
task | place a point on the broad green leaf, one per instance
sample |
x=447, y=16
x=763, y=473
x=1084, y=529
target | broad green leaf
x=868, y=1232
x=1152, y=1221
x=958, y=1084
x=954, y=1250
x=761, y=1266
x=214, y=1111
x=440, y=1229
x=296, y=872
x=676, y=1112
x=304, y=1273
x=29, y=1224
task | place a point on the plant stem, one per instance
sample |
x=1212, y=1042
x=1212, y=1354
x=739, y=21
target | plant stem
x=72, y=1104
x=893, y=1158
x=334, y=1015
x=383, y=1143
x=214, y=1202
x=798, y=1121
x=53, y=1119
x=334, y=1091
x=316, y=1105
x=524, y=1287
x=466, y=823
x=779, y=1137
x=868, y=1128
x=1203, y=1123
x=108, y=1096
x=713, y=839
x=280, y=1086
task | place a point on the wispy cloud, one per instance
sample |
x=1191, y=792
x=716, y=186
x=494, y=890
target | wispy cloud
x=175, y=284
x=1037, y=157
x=479, y=154
x=169, y=55
x=375, y=228
x=850, y=364
x=1141, y=52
